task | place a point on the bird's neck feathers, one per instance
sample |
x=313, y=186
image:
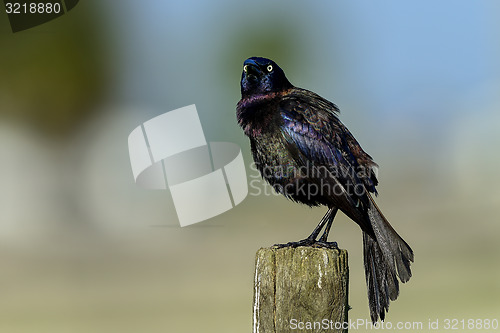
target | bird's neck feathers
x=252, y=100
x=256, y=112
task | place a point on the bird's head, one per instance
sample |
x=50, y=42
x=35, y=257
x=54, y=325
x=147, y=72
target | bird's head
x=261, y=76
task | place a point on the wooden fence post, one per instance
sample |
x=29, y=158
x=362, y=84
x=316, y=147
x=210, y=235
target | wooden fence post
x=302, y=289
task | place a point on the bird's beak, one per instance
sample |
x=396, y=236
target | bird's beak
x=251, y=68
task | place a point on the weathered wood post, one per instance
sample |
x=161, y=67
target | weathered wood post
x=302, y=289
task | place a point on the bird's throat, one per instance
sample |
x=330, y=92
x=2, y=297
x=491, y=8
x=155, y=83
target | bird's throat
x=257, y=112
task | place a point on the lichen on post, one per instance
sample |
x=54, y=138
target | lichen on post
x=302, y=289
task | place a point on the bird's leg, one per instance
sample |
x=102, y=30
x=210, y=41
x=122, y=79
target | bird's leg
x=311, y=240
x=324, y=237
x=321, y=224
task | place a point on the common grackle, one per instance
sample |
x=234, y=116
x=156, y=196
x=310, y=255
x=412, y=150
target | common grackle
x=303, y=150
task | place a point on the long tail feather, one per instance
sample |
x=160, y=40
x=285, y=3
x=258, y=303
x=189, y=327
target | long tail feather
x=387, y=257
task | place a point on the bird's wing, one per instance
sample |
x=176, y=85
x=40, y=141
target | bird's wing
x=314, y=134
x=311, y=127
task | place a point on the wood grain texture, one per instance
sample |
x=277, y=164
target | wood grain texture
x=303, y=289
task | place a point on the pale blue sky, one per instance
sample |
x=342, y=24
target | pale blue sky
x=405, y=69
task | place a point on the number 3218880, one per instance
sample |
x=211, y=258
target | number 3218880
x=32, y=8
x=470, y=324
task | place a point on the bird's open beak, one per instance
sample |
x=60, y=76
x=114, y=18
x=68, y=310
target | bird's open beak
x=251, y=68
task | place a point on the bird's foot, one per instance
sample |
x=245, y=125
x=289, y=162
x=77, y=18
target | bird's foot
x=328, y=245
x=308, y=242
x=303, y=242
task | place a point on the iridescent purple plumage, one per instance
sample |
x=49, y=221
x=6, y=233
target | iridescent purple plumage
x=296, y=130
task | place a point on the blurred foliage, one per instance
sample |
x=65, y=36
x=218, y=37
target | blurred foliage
x=54, y=73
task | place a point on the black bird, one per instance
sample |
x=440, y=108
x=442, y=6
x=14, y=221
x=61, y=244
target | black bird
x=305, y=153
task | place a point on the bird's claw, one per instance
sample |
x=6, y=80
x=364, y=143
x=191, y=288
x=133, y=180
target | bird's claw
x=308, y=242
x=303, y=242
x=328, y=245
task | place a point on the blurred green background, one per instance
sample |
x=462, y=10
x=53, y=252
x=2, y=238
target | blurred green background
x=82, y=249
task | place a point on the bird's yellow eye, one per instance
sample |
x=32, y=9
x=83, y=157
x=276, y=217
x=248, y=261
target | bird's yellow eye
x=245, y=68
x=269, y=68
